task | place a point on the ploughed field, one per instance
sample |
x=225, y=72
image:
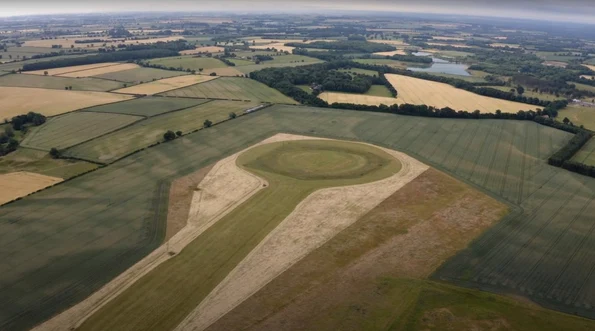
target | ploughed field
x=62, y=244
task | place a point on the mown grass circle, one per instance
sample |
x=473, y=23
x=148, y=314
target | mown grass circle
x=321, y=159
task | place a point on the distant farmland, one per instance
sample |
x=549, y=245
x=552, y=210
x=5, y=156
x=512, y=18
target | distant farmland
x=358, y=99
x=504, y=158
x=232, y=88
x=424, y=92
x=140, y=75
x=58, y=83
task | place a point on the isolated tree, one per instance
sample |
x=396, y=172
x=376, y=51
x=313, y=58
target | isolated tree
x=213, y=74
x=566, y=120
x=207, y=124
x=232, y=115
x=54, y=153
x=520, y=90
x=179, y=133
x=45, y=73
x=169, y=135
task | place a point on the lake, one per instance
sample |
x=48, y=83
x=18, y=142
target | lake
x=442, y=66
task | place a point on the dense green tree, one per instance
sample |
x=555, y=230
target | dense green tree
x=169, y=135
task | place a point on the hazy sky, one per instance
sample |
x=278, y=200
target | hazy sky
x=570, y=10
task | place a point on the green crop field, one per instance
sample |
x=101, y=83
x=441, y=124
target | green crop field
x=113, y=146
x=74, y=128
x=189, y=62
x=583, y=87
x=19, y=64
x=246, y=69
x=234, y=236
x=147, y=106
x=23, y=52
x=530, y=94
x=54, y=82
x=232, y=88
x=379, y=91
x=586, y=154
x=26, y=159
x=579, y=115
x=114, y=216
x=138, y=75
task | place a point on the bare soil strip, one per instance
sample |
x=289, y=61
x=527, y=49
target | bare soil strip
x=317, y=219
x=340, y=285
x=19, y=184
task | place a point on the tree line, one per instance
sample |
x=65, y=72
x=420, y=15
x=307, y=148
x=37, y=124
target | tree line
x=346, y=45
x=130, y=53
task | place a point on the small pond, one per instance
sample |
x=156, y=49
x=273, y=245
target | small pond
x=442, y=66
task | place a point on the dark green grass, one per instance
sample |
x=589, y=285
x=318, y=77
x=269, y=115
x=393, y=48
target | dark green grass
x=60, y=245
x=147, y=106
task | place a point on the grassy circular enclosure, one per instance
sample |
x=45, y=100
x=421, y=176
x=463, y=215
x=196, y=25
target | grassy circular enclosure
x=315, y=160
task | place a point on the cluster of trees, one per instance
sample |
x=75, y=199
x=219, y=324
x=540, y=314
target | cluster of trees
x=89, y=41
x=7, y=141
x=130, y=53
x=226, y=61
x=346, y=46
x=170, y=135
x=323, y=76
x=19, y=122
x=119, y=32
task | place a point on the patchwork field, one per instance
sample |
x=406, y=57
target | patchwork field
x=113, y=146
x=147, y=106
x=226, y=72
x=189, y=62
x=59, y=83
x=361, y=99
x=19, y=184
x=67, y=42
x=21, y=100
x=140, y=75
x=232, y=88
x=71, y=129
x=419, y=92
x=71, y=69
x=539, y=251
x=166, y=84
x=101, y=70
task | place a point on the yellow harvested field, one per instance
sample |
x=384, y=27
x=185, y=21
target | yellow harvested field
x=453, y=45
x=278, y=46
x=357, y=99
x=225, y=72
x=397, y=52
x=588, y=77
x=424, y=92
x=592, y=67
x=66, y=70
x=505, y=45
x=557, y=64
x=448, y=38
x=21, y=100
x=389, y=42
x=19, y=184
x=100, y=70
x=205, y=49
x=167, y=84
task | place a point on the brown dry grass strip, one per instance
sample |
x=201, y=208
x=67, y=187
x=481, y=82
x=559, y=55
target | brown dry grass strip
x=180, y=199
x=407, y=236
